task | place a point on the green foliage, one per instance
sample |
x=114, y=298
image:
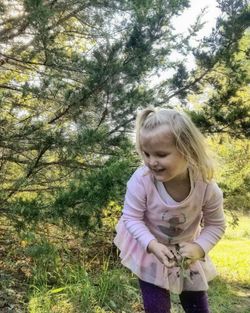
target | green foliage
x=69, y=92
x=82, y=293
x=226, y=108
x=74, y=74
x=62, y=280
x=233, y=172
x=87, y=195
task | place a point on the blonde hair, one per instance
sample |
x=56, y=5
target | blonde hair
x=188, y=139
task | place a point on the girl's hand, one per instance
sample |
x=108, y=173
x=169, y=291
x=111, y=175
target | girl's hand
x=162, y=253
x=191, y=251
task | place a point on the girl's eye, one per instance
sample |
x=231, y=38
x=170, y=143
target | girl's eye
x=146, y=154
x=161, y=155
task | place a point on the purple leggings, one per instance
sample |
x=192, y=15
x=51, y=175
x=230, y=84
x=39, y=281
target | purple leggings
x=157, y=300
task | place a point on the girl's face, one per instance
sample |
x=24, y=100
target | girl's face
x=159, y=152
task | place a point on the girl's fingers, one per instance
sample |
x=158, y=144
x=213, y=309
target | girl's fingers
x=183, y=253
x=184, y=249
x=183, y=246
x=168, y=259
x=168, y=253
x=164, y=255
x=168, y=263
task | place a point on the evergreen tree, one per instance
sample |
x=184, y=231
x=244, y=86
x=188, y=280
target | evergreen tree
x=73, y=74
x=226, y=87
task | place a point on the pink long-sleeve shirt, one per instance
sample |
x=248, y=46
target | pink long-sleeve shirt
x=146, y=217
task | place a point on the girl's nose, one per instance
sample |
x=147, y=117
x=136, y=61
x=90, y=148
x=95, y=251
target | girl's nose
x=153, y=162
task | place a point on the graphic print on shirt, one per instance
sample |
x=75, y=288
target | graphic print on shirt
x=171, y=227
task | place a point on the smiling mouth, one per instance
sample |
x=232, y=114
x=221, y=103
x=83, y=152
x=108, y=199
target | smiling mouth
x=157, y=170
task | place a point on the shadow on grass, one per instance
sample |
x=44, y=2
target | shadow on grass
x=228, y=297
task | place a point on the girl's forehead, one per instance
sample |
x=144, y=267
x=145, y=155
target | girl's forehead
x=159, y=133
x=162, y=130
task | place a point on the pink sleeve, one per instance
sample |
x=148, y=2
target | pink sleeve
x=214, y=219
x=134, y=210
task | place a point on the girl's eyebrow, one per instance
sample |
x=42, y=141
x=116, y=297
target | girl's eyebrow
x=162, y=152
x=157, y=152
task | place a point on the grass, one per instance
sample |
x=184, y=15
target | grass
x=230, y=292
x=53, y=272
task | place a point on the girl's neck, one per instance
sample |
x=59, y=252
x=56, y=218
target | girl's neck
x=179, y=188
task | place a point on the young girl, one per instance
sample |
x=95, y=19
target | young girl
x=159, y=235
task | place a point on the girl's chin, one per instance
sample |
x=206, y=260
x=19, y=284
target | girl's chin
x=160, y=176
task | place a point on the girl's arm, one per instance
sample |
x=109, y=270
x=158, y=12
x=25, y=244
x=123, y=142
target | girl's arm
x=214, y=219
x=134, y=210
x=133, y=218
